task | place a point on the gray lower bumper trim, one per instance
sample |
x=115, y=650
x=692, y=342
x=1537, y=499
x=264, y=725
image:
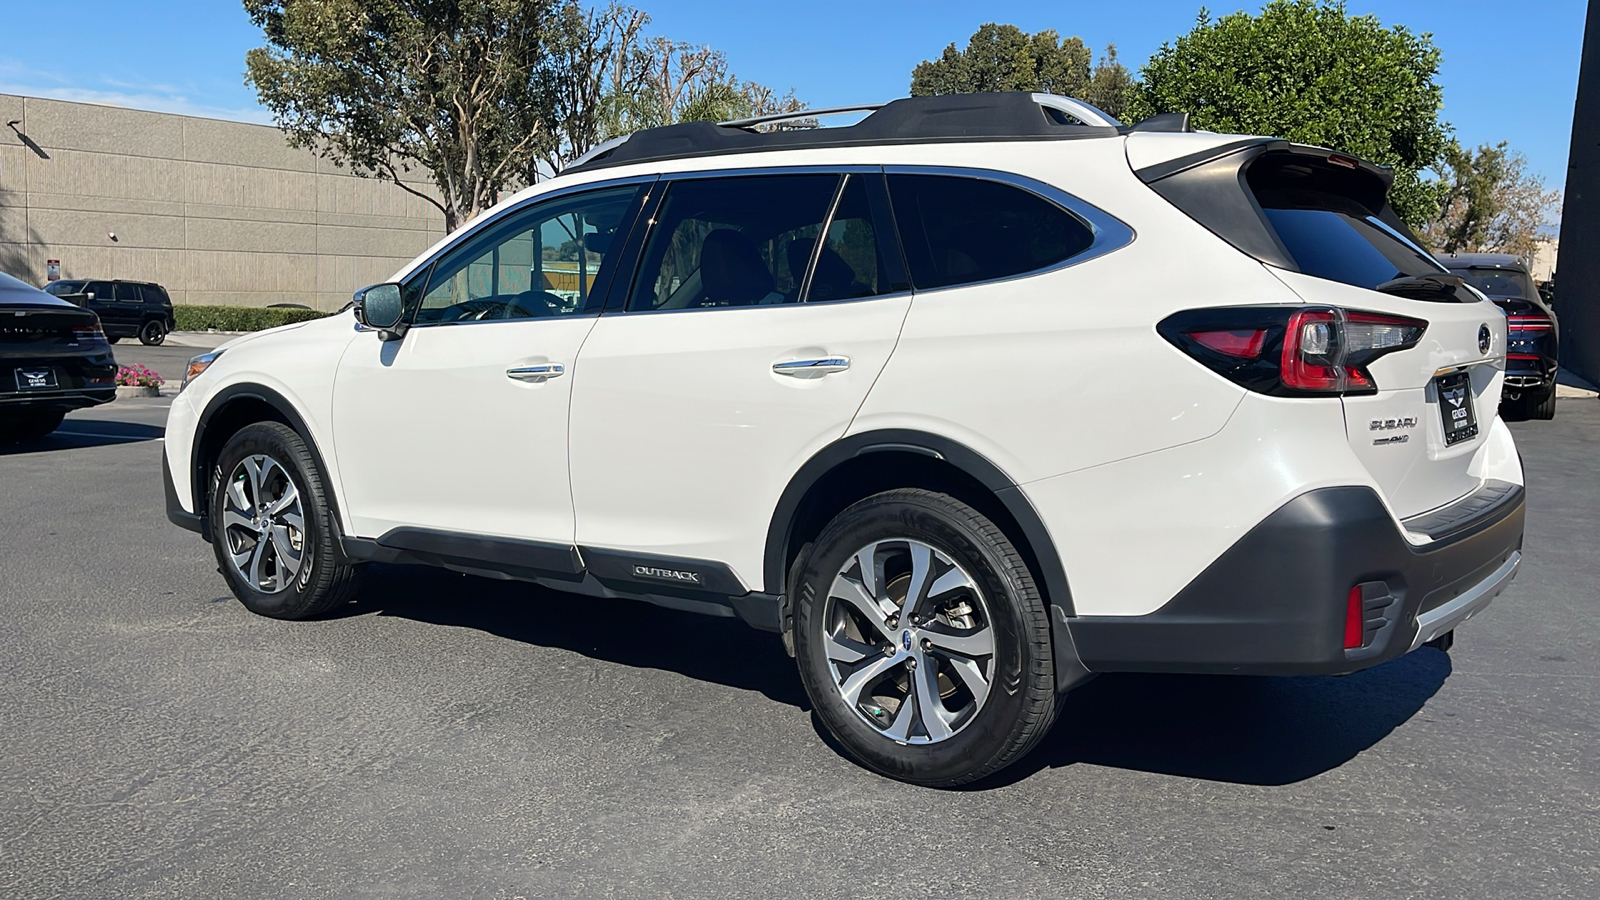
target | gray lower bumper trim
x=1436, y=622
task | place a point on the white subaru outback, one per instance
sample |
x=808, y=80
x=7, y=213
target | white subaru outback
x=969, y=401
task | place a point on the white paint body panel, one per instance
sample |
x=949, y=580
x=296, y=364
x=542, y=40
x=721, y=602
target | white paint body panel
x=431, y=433
x=683, y=436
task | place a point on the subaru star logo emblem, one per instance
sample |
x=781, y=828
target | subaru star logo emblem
x=905, y=640
x=1485, y=339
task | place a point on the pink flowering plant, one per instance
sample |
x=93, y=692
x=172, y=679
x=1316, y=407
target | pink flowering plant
x=138, y=375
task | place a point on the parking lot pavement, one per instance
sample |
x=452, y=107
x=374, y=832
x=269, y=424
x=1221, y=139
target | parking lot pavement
x=448, y=736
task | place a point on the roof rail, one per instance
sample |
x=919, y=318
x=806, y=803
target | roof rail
x=800, y=114
x=945, y=118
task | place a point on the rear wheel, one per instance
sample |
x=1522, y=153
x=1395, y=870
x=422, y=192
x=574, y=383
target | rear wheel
x=272, y=527
x=923, y=641
x=112, y=340
x=152, y=333
x=29, y=426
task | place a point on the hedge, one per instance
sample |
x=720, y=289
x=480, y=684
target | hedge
x=238, y=318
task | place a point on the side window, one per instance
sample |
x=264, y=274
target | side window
x=154, y=295
x=960, y=230
x=735, y=241
x=101, y=291
x=542, y=261
x=851, y=263
x=128, y=293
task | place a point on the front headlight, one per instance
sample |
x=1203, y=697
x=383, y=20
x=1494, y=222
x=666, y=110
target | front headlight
x=197, y=365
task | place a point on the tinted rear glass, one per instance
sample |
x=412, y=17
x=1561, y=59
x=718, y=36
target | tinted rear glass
x=153, y=294
x=1342, y=246
x=1500, y=282
x=965, y=230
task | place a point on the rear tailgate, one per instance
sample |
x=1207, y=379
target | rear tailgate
x=1399, y=433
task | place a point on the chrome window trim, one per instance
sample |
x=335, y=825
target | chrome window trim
x=1109, y=232
x=462, y=236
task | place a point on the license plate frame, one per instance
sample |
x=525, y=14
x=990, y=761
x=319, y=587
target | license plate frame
x=36, y=378
x=1457, y=414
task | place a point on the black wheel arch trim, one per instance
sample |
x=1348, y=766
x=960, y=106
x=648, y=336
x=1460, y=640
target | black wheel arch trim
x=1051, y=572
x=220, y=401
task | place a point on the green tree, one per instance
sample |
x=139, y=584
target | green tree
x=1311, y=72
x=1491, y=203
x=1006, y=58
x=456, y=87
x=1111, y=86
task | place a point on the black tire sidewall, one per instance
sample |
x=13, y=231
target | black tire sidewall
x=281, y=444
x=975, y=748
x=152, y=333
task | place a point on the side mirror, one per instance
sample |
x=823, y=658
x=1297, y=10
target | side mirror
x=381, y=307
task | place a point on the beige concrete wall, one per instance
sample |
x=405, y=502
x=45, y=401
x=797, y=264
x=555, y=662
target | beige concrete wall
x=218, y=212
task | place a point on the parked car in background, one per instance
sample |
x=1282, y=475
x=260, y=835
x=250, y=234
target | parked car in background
x=54, y=358
x=126, y=308
x=849, y=385
x=1533, y=333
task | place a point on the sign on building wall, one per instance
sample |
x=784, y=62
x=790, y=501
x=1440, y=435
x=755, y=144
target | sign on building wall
x=52, y=270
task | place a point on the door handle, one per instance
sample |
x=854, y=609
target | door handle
x=540, y=372
x=812, y=368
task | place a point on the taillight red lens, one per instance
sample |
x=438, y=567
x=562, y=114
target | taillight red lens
x=88, y=334
x=1529, y=323
x=1311, y=350
x=1245, y=343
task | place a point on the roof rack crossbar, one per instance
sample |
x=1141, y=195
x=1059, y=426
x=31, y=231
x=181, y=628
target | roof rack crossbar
x=801, y=114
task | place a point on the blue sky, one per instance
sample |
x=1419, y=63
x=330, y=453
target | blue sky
x=1510, y=70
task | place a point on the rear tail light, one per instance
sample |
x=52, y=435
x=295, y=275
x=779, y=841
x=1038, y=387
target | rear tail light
x=1289, y=350
x=1529, y=323
x=88, y=334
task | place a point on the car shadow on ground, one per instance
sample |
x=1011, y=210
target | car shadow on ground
x=1242, y=730
x=1236, y=729
x=76, y=434
x=626, y=632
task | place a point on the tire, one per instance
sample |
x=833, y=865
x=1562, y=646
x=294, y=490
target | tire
x=29, y=426
x=254, y=472
x=984, y=588
x=152, y=333
x=1543, y=407
x=112, y=340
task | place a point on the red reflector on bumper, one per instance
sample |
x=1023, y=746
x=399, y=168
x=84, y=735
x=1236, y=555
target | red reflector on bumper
x=1353, y=630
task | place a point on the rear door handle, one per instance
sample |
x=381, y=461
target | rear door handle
x=812, y=368
x=540, y=372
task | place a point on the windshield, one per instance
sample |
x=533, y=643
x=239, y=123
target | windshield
x=1503, y=283
x=60, y=288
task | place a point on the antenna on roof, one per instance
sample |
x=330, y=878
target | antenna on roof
x=800, y=114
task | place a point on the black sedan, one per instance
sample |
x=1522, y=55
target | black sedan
x=1532, y=331
x=53, y=359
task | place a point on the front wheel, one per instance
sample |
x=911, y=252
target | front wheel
x=923, y=640
x=272, y=527
x=153, y=333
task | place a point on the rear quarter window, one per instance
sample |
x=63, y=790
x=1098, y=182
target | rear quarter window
x=959, y=230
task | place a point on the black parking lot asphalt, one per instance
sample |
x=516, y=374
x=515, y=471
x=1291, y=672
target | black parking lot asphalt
x=448, y=736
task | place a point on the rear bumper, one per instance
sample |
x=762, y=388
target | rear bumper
x=1275, y=602
x=66, y=401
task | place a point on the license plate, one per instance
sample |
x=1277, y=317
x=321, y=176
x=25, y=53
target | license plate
x=1455, y=407
x=41, y=379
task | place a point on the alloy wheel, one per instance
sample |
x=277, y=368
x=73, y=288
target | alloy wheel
x=263, y=524
x=909, y=641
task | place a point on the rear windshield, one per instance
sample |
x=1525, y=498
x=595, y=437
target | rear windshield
x=1500, y=283
x=1326, y=216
